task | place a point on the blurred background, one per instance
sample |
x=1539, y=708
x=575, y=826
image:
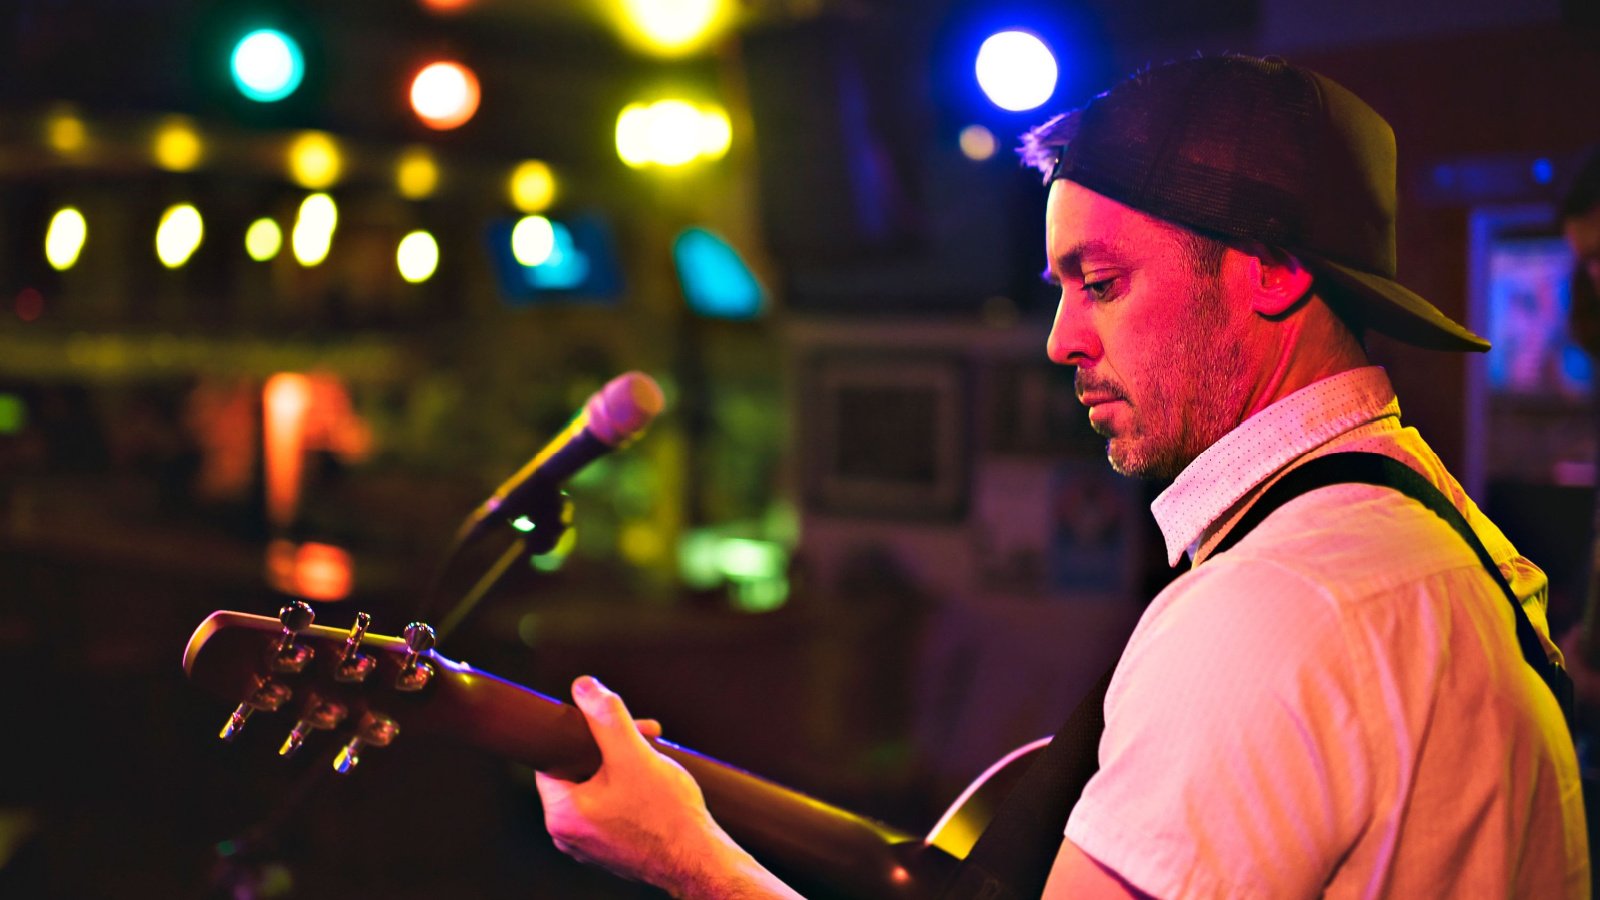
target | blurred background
x=287, y=288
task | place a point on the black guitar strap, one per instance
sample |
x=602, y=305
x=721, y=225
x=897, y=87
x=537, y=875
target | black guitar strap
x=1012, y=858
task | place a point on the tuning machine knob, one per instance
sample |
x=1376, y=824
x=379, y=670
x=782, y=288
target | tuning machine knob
x=415, y=673
x=375, y=730
x=321, y=715
x=354, y=666
x=267, y=697
x=288, y=656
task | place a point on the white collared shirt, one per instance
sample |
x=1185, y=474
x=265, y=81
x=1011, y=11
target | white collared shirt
x=1338, y=705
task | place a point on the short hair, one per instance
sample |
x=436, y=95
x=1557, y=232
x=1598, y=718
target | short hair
x=1583, y=192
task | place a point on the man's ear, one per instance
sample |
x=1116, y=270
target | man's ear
x=1280, y=281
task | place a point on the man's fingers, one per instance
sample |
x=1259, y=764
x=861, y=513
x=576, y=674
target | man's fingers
x=613, y=728
x=552, y=790
x=650, y=728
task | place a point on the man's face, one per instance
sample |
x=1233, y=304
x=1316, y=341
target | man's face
x=1161, y=348
x=1583, y=235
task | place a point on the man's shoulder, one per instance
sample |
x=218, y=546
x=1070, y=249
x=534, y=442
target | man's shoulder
x=1349, y=537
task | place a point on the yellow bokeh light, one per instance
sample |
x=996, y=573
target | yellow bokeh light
x=641, y=543
x=532, y=186
x=416, y=174
x=65, y=132
x=315, y=161
x=263, y=239
x=977, y=143
x=533, y=240
x=312, y=237
x=417, y=257
x=179, y=234
x=716, y=133
x=672, y=27
x=64, y=240
x=177, y=146
x=671, y=133
x=674, y=132
x=633, y=135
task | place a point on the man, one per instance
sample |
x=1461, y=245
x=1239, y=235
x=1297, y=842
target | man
x=1337, y=704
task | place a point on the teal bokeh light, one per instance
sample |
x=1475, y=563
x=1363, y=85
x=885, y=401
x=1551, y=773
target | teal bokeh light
x=715, y=280
x=267, y=65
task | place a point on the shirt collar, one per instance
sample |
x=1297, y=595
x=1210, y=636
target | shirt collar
x=1263, y=444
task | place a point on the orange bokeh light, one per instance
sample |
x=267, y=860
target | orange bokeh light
x=445, y=95
x=311, y=570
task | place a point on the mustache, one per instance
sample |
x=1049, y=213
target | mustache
x=1085, y=385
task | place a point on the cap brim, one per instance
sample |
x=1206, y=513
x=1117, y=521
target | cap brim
x=1390, y=308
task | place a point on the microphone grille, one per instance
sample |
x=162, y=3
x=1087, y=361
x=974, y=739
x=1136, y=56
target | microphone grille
x=620, y=411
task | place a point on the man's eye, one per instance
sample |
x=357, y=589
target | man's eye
x=1099, y=290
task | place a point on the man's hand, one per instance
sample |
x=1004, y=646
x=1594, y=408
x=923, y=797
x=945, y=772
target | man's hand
x=642, y=815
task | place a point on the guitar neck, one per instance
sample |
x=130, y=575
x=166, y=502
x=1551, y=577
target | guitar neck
x=233, y=653
x=782, y=826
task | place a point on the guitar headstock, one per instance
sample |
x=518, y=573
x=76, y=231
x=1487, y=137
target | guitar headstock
x=365, y=688
x=347, y=681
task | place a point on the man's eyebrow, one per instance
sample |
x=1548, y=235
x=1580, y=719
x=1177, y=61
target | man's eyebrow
x=1072, y=260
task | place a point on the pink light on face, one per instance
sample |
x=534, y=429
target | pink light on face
x=1162, y=351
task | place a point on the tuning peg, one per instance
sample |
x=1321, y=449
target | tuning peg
x=376, y=730
x=415, y=673
x=267, y=697
x=296, y=617
x=355, y=666
x=321, y=716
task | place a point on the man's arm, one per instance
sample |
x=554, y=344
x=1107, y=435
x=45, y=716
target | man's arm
x=643, y=817
x=1076, y=876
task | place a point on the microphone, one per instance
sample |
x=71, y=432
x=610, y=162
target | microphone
x=611, y=418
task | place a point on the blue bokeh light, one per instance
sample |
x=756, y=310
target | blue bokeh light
x=564, y=269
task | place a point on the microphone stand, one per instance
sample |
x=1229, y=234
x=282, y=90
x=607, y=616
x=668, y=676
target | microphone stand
x=490, y=577
x=540, y=530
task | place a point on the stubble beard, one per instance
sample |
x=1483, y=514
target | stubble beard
x=1190, y=402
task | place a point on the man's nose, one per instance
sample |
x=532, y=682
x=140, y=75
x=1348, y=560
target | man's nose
x=1072, y=340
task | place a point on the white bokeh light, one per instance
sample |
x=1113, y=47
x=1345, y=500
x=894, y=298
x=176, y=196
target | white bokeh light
x=1016, y=70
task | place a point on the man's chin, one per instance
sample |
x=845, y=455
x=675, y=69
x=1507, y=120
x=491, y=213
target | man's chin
x=1137, y=462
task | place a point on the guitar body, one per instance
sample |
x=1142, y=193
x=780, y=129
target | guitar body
x=241, y=658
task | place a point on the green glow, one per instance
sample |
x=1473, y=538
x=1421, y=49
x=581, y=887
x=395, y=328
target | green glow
x=523, y=524
x=762, y=595
x=697, y=559
x=13, y=414
x=742, y=558
x=553, y=561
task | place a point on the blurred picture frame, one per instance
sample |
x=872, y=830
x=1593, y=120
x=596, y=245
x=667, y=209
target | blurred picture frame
x=887, y=435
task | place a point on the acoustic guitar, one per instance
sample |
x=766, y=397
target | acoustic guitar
x=361, y=692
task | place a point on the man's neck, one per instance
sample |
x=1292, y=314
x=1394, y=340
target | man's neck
x=1310, y=345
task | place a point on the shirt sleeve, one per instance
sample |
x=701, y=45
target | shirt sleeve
x=1233, y=762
